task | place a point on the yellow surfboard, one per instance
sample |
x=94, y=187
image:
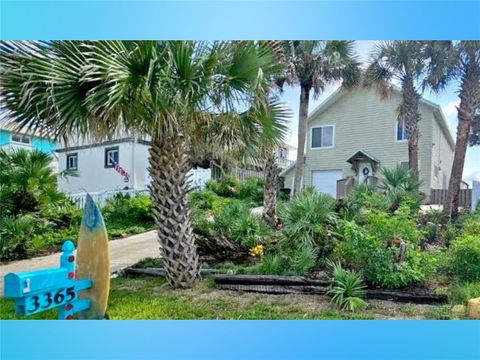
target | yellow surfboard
x=93, y=260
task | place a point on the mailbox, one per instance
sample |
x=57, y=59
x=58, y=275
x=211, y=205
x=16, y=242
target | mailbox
x=37, y=291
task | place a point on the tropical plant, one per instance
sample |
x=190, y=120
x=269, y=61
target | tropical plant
x=306, y=219
x=403, y=61
x=465, y=257
x=164, y=89
x=313, y=64
x=400, y=184
x=27, y=181
x=346, y=288
x=457, y=61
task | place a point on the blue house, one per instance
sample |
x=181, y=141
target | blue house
x=10, y=140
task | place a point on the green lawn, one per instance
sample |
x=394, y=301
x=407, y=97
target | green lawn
x=151, y=298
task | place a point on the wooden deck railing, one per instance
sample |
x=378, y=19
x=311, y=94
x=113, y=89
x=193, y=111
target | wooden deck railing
x=439, y=197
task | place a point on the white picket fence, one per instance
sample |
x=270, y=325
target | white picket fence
x=102, y=196
x=196, y=177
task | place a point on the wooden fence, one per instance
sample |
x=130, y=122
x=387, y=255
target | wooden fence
x=439, y=196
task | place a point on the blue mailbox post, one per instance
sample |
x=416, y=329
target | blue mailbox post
x=37, y=291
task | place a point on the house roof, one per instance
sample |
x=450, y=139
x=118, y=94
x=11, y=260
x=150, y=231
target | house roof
x=361, y=154
x=436, y=109
x=287, y=169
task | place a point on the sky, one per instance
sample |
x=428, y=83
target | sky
x=447, y=99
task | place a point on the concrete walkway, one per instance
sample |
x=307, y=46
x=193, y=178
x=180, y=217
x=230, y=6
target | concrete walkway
x=123, y=253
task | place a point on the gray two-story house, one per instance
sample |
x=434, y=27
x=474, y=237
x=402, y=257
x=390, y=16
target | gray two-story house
x=353, y=134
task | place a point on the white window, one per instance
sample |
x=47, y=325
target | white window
x=72, y=161
x=24, y=139
x=111, y=157
x=404, y=164
x=322, y=137
x=401, y=131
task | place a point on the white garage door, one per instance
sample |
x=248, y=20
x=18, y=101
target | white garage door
x=326, y=181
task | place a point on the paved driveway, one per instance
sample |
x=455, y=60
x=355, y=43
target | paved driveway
x=123, y=253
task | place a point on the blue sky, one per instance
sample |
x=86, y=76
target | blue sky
x=448, y=99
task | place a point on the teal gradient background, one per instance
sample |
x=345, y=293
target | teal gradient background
x=240, y=20
x=242, y=340
x=339, y=340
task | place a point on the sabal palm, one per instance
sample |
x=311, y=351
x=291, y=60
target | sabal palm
x=403, y=61
x=165, y=89
x=313, y=65
x=457, y=61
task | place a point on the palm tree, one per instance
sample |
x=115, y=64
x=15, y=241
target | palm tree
x=403, y=61
x=164, y=89
x=457, y=61
x=313, y=65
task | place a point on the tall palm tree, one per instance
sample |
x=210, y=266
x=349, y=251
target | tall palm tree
x=313, y=65
x=403, y=61
x=457, y=61
x=164, y=89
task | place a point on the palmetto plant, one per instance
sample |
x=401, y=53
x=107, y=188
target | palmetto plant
x=346, y=288
x=457, y=61
x=313, y=65
x=403, y=61
x=167, y=90
x=27, y=181
x=399, y=183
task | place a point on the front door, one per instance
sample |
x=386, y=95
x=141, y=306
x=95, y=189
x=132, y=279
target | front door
x=364, y=170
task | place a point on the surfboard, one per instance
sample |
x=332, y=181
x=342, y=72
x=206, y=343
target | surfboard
x=93, y=260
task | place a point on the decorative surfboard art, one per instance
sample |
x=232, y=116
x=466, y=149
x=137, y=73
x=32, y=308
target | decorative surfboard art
x=79, y=287
x=93, y=260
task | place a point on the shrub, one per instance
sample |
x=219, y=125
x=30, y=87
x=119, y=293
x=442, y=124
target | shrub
x=399, y=185
x=227, y=186
x=208, y=200
x=271, y=264
x=237, y=223
x=302, y=260
x=361, y=198
x=346, y=288
x=252, y=188
x=16, y=234
x=470, y=223
x=386, y=249
x=465, y=257
x=461, y=293
x=306, y=219
x=126, y=210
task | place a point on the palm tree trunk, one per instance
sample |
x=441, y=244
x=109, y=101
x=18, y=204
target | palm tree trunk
x=410, y=115
x=302, y=129
x=168, y=170
x=470, y=90
x=270, y=189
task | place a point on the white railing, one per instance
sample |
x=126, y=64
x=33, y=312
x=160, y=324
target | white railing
x=102, y=196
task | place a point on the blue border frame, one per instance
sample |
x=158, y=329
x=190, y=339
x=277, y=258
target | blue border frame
x=156, y=19
x=240, y=339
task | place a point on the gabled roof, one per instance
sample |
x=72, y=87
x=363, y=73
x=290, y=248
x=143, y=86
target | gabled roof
x=436, y=109
x=361, y=154
x=287, y=169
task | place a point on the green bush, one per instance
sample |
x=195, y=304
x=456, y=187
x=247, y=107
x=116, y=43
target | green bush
x=386, y=249
x=346, y=288
x=252, y=188
x=227, y=186
x=361, y=199
x=301, y=260
x=465, y=257
x=306, y=219
x=401, y=185
x=127, y=211
x=271, y=264
x=237, y=223
x=209, y=201
x=461, y=293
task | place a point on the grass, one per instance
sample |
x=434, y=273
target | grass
x=152, y=298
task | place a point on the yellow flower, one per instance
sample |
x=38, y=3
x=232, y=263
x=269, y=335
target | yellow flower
x=257, y=250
